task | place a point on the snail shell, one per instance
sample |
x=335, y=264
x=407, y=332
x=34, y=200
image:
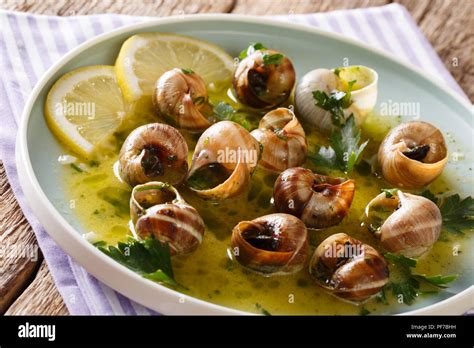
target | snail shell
x=259, y=85
x=348, y=268
x=158, y=210
x=273, y=244
x=154, y=152
x=182, y=98
x=364, y=97
x=283, y=139
x=412, y=155
x=320, y=201
x=230, y=146
x=412, y=228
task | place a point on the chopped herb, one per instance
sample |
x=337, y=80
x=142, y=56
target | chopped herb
x=254, y=46
x=94, y=163
x=273, y=59
x=437, y=280
x=261, y=309
x=76, y=168
x=150, y=258
x=117, y=197
x=389, y=193
x=457, y=213
x=381, y=297
x=187, y=71
x=408, y=283
x=337, y=71
x=96, y=212
x=224, y=111
x=199, y=100
x=99, y=243
x=364, y=311
x=428, y=194
x=335, y=103
x=345, y=151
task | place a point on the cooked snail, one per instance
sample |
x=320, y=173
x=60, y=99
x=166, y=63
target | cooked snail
x=283, y=140
x=261, y=81
x=405, y=223
x=273, y=244
x=224, y=158
x=320, y=201
x=348, y=268
x=181, y=97
x=154, y=152
x=158, y=210
x=413, y=154
x=363, y=94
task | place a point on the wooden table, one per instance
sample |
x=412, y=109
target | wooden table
x=26, y=286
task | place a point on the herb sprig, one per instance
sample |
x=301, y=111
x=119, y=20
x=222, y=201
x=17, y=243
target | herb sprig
x=224, y=111
x=408, y=283
x=335, y=103
x=150, y=258
x=344, y=152
x=457, y=214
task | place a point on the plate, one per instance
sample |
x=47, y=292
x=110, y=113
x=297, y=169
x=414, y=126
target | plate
x=37, y=149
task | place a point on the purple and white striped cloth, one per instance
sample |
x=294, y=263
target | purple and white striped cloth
x=30, y=44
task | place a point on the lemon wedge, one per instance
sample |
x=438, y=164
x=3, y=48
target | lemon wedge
x=144, y=57
x=84, y=108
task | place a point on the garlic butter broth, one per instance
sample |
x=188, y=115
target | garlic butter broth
x=102, y=205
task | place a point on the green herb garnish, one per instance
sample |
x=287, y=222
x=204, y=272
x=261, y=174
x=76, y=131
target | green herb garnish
x=261, y=309
x=76, y=168
x=187, y=71
x=254, y=46
x=224, y=111
x=408, y=283
x=335, y=103
x=389, y=193
x=273, y=59
x=150, y=258
x=457, y=214
x=364, y=311
x=344, y=151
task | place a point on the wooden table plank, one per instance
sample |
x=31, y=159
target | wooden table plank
x=446, y=23
x=20, y=256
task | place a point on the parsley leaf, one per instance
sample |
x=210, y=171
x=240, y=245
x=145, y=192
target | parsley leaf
x=408, y=283
x=272, y=59
x=389, y=193
x=224, y=111
x=335, y=103
x=254, y=46
x=261, y=309
x=344, y=152
x=457, y=213
x=187, y=71
x=150, y=258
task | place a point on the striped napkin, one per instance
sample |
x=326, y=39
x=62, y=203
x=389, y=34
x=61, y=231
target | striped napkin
x=30, y=44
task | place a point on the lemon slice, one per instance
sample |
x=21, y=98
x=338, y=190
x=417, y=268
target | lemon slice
x=143, y=58
x=84, y=107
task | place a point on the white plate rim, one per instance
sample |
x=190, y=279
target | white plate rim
x=110, y=272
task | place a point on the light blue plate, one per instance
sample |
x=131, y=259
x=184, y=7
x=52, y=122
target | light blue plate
x=308, y=48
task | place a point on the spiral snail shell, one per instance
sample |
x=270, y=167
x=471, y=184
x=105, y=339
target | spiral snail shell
x=273, y=244
x=283, y=139
x=154, y=152
x=158, y=210
x=181, y=97
x=412, y=155
x=348, y=268
x=260, y=83
x=225, y=150
x=412, y=224
x=363, y=94
x=320, y=201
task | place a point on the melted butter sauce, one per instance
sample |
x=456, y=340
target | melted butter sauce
x=209, y=274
